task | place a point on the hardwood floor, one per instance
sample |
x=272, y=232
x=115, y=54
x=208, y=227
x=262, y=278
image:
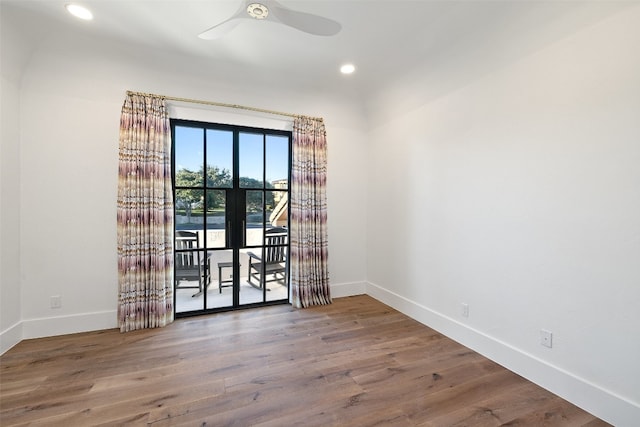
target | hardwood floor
x=356, y=362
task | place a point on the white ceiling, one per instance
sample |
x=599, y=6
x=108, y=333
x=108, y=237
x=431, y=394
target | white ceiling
x=444, y=42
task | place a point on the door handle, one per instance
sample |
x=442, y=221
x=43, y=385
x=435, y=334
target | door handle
x=244, y=233
x=229, y=228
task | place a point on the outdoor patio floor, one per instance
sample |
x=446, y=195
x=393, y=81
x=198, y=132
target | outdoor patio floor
x=185, y=301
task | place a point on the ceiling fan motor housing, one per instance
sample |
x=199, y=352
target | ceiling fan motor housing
x=258, y=10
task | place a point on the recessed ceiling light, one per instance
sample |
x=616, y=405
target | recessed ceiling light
x=79, y=11
x=347, y=69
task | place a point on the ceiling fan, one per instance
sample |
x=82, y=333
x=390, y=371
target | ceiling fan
x=271, y=10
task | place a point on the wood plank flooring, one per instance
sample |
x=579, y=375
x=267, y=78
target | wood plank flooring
x=356, y=362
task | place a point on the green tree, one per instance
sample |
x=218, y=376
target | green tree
x=218, y=178
x=254, y=198
x=188, y=199
x=191, y=195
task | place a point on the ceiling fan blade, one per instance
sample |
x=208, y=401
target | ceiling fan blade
x=274, y=11
x=220, y=29
x=307, y=22
x=226, y=26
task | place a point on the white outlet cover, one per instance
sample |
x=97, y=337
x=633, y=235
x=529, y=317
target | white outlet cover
x=546, y=338
x=56, y=301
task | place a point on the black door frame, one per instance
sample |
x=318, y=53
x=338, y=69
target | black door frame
x=235, y=209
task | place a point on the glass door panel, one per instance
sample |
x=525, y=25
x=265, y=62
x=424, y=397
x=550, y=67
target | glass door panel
x=250, y=292
x=189, y=268
x=276, y=251
x=219, y=158
x=216, y=219
x=188, y=146
x=277, y=208
x=220, y=290
x=277, y=161
x=254, y=218
x=189, y=214
x=251, y=160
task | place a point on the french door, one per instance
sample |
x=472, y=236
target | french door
x=231, y=192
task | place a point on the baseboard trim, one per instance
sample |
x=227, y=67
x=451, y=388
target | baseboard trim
x=348, y=289
x=86, y=322
x=10, y=337
x=602, y=403
x=61, y=325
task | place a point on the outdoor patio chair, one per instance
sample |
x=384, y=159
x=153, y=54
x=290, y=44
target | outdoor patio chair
x=274, y=265
x=189, y=266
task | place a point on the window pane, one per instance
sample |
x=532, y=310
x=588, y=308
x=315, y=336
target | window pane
x=216, y=219
x=277, y=208
x=251, y=160
x=255, y=218
x=220, y=291
x=189, y=155
x=190, y=266
x=279, y=287
x=219, y=158
x=277, y=159
x=189, y=209
x=250, y=292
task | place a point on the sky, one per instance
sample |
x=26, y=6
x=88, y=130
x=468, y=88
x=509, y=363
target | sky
x=189, y=143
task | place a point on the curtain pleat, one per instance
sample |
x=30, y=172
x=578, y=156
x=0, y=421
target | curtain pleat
x=145, y=215
x=308, y=222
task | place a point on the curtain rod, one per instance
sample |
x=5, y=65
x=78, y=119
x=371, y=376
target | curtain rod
x=225, y=105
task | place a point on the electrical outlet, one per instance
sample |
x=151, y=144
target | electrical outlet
x=546, y=338
x=56, y=301
x=465, y=309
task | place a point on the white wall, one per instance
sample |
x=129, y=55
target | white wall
x=71, y=97
x=516, y=194
x=15, y=55
x=519, y=194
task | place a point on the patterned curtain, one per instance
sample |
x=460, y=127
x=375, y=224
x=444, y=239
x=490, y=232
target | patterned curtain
x=145, y=215
x=308, y=254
